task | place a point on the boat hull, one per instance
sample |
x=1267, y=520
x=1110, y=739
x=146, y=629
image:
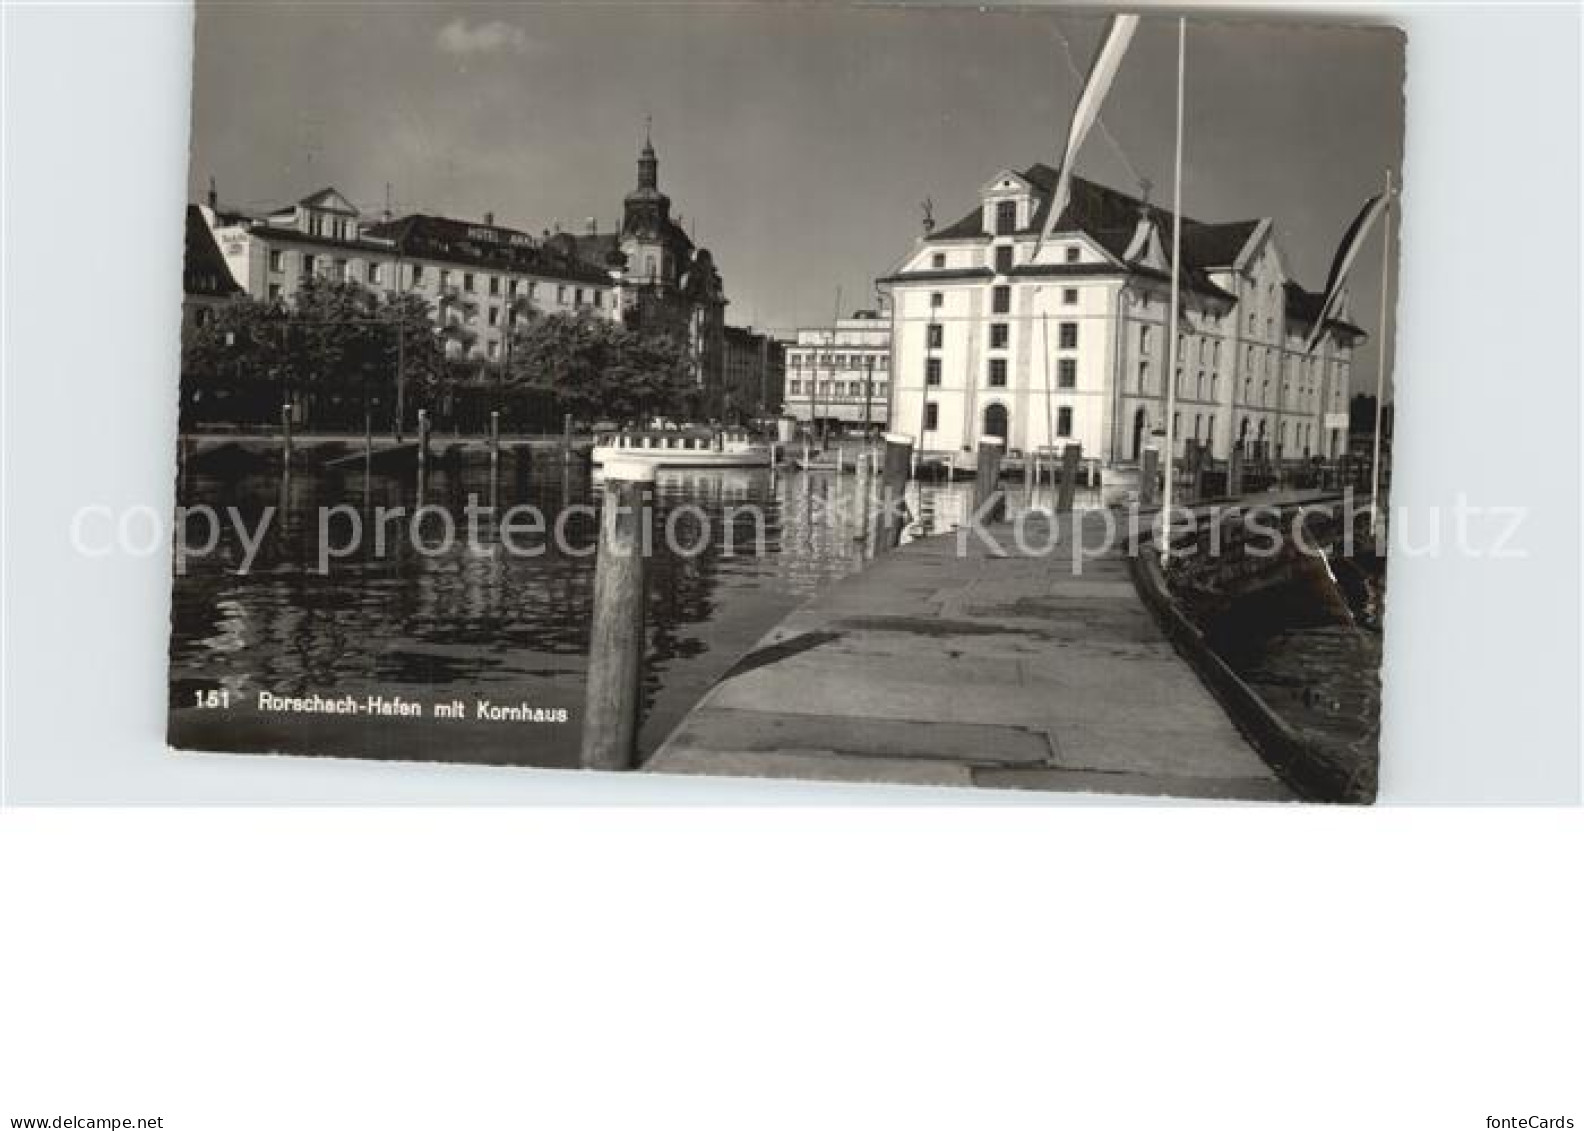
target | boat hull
x=749, y=457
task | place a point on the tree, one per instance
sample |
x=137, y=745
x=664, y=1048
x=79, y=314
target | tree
x=595, y=368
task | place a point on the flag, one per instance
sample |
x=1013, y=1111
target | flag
x=1342, y=262
x=1107, y=60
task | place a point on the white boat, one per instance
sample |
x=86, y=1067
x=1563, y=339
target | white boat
x=685, y=447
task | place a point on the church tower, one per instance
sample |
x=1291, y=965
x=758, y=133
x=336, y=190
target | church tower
x=648, y=236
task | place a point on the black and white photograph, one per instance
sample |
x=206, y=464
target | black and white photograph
x=996, y=399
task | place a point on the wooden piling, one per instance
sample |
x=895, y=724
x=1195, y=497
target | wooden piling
x=894, y=471
x=616, y=643
x=1149, y=473
x=286, y=433
x=566, y=438
x=494, y=438
x=423, y=438
x=987, y=478
x=1072, y=456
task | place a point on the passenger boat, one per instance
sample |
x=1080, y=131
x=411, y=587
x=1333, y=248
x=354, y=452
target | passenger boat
x=685, y=447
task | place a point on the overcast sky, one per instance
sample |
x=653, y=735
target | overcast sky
x=795, y=142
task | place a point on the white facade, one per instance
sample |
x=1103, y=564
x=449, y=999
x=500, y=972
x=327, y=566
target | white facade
x=1070, y=346
x=841, y=374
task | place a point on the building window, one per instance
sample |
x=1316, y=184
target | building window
x=493, y=350
x=998, y=335
x=1067, y=336
x=445, y=278
x=577, y=297
x=998, y=372
x=494, y=286
x=417, y=274
x=936, y=299
x=1069, y=296
x=1003, y=259
x=938, y=261
x=1072, y=255
x=1144, y=341
x=1067, y=373
x=494, y=316
x=932, y=336
x=1006, y=217
x=932, y=371
x=561, y=294
x=599, y=298
x=1001, y=300
x=277, y=260
x=1064, y=421
x=1143, y=376
x=533, y=290
x=931, y=415
x=274, y=292
x=467, y=281
x=310, y=264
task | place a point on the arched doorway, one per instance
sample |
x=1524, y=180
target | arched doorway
x=996, y=422
x=1138, y=434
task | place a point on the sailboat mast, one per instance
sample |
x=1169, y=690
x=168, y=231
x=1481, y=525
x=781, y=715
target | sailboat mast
x=1176, y=286
x=1380, y=372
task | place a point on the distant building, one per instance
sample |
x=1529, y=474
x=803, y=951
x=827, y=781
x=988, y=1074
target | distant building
x=666, y=285
x=1071, y=347
x=841, y=374
x=754, y=379
x=206, y=280
x=477, y=276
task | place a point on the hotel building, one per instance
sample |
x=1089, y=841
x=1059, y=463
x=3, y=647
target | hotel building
x=1070, y=346
x=841, y=374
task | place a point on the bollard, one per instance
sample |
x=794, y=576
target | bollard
x=987, y=478
x=1072, y=455
x=494, y=437
x=423, y=438
x=1149, y=472
x=566, y=438
x=616, y=641
x=1234, y=486
x=894, y=472
x=286, y=432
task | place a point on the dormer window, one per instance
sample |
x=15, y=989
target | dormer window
x=1005, y=217
x=1072, y=255
x=938, y=261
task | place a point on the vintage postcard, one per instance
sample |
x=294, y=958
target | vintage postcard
x=986, y=398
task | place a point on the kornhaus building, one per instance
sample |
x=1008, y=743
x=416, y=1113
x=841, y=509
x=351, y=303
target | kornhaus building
x=1070, y=346
x=841, y=375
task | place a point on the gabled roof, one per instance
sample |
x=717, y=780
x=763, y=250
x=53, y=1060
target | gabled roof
x=1303, y=307
x=328, y=199
x=204, y=270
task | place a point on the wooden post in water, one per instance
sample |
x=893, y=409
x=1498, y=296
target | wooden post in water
x=494, y=439
x=423, y=438
x=987, y=478
x=286, y=433
x=1149, y=472
x=894, y=473
x=566, y=438
x=616, y=642
x=1072, y=456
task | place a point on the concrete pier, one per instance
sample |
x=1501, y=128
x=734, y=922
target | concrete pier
x=990, y=669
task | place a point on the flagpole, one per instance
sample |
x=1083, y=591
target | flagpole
x=1380, y=374
x=1176, y=271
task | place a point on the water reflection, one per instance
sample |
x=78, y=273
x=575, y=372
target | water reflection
x=395, y=617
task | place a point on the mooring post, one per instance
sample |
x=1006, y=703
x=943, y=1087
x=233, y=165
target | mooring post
x=494, y=438
x=616, y=641
x=987, y=478
x=894, y=472
x=1072, y=455
x=566, y=438
x=286, y=432
x=1149, y=473
x=423, y=438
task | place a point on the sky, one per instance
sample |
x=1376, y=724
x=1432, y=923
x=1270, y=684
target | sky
x=796, y=142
